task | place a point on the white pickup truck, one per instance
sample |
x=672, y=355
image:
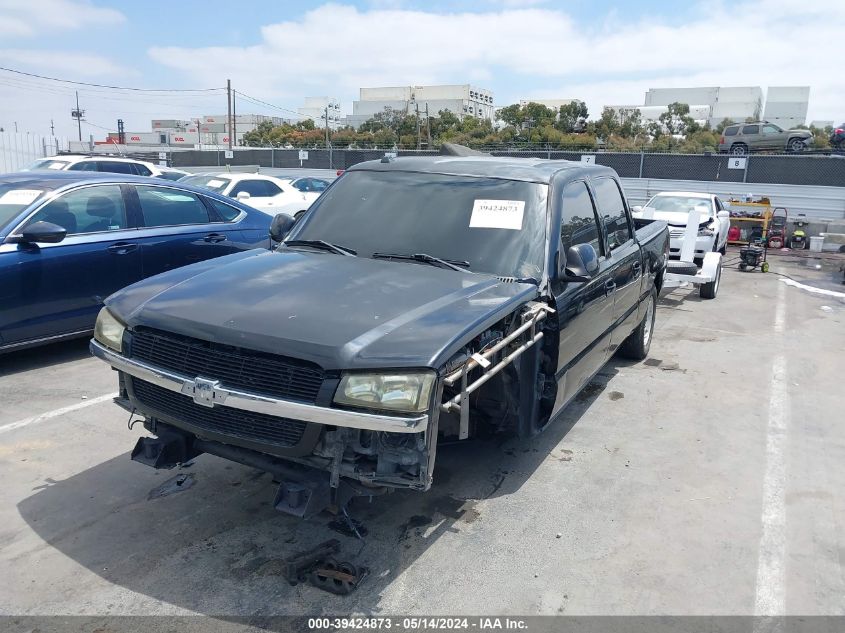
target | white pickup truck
x=673, y=207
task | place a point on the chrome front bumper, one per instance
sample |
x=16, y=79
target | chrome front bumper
x=211, y=393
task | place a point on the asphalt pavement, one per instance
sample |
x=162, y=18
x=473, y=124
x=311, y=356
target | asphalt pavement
x=706, y=480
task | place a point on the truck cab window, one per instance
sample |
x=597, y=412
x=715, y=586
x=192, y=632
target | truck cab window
x=612, y=207
x=579, y=223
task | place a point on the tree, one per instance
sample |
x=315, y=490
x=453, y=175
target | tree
x=677, y=121
x=572, y=116
x=630, y=122
x=512, y=115
x=607, y=125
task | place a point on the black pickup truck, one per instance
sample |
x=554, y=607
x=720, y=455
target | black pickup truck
x=418, y=299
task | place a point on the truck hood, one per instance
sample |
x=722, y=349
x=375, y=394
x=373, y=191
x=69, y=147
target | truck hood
x=339, y=312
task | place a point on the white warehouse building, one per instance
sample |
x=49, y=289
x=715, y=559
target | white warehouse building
x=787, y=106
x=735, y=103
x=460, y=99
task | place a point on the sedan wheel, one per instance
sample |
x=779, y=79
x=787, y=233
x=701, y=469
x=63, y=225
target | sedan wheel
x=738, y=150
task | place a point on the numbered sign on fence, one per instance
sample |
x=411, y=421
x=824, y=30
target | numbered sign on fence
x=736, y=163
x=588, y=159
x=303, y=154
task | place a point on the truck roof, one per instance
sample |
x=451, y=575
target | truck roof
x=527, y=169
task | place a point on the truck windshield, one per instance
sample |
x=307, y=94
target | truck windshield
x=497, y=226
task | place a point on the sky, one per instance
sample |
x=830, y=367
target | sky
x=600, y=51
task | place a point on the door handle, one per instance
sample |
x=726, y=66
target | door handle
x=609, y=286
x=638, y=267
x=215, y=237
x=122, y=248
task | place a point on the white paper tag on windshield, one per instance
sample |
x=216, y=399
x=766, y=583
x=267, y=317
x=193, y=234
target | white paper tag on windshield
x=56, y=165
x=20, y=196
x=214, y=183
x=497, y=214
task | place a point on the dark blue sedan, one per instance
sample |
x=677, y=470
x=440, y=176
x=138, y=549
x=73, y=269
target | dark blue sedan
x=68, y=240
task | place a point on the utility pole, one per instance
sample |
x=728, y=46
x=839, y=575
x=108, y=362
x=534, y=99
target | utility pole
x=229, y=116
x=234, y=133
x=52, y=128
x=427, y=126
x=78, y=114
x=419, y=138
x=328, y=142
x=121, y=133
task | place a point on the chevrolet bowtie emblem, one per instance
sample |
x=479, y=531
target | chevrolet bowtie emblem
x=204, y=392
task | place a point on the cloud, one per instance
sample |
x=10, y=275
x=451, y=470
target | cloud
x=71, y=63
x=334, y=49
x=30, y=18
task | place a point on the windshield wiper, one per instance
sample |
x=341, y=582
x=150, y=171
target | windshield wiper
x=453, y=264
x=324, y=245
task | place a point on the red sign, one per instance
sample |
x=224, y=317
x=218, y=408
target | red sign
x=134, y=138
x=179, y=139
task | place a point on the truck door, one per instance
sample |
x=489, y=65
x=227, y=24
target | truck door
x=584, y=309
x=625, y=255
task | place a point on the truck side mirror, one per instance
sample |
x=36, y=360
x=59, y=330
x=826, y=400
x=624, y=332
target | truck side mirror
x=280, y=226
x=581, y=263
x=723, y=215
x=243, y=195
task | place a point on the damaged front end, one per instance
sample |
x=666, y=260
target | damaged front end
x=357, y=436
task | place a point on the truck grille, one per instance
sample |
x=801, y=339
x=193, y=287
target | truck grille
x=676, y=233
x=234, y=367
x=267, y=429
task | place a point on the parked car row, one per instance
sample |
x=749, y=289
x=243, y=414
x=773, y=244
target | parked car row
x=265, y=193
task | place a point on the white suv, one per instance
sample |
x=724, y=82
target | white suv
x=111, y=164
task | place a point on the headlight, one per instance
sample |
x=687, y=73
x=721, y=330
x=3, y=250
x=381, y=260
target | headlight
x=409, y=392
x=109, y=331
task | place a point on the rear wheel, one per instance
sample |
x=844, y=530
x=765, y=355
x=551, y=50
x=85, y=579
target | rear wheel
x=636, y=346
x=739, y=149
x=764, y=267
x=796, y=145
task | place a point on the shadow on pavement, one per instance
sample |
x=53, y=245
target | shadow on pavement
x=216, y=548
x=44, y=356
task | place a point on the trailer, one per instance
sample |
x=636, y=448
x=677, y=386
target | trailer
x=683, y=271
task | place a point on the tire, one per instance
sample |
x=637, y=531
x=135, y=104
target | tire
x=681, y=268
x=764, y=267
x=739, y=149
x=708, y=291
x=742, y=266
x=637, y=344
x=796, y=145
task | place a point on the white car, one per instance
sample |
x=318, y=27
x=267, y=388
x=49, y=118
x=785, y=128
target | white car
x=674, y=206
x=111, y=164
x=265, y=193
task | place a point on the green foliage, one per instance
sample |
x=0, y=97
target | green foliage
x=723, y=124
x=572, y=116
x=677, y=121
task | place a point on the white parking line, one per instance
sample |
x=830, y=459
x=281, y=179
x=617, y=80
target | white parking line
x=770, y=591
x=56, y=412
x=813, y=289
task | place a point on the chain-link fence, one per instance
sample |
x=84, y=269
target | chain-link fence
x=778, y=169
x=18, y=149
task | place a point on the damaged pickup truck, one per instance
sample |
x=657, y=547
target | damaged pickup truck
x=418, y=299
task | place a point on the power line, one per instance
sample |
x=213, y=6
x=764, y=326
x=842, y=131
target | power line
x=83, y=83
x=264, y=103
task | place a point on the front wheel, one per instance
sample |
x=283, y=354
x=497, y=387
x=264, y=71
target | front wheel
x=636, y=346
x=739, y=149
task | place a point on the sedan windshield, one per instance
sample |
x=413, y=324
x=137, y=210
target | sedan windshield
x=679, y=204
x=14, y=198
x=215, y=183
x=496, y=226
